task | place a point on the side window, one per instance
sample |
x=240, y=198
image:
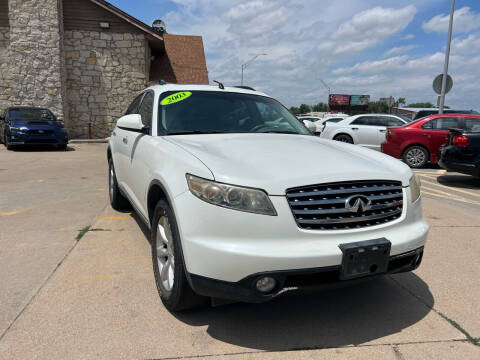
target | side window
x=445, y=123
x=430, y=124
x=377, y=121
x=146, y=109
x=391, y=121
x=133, y=108
x=363, y=120
x=472, y=124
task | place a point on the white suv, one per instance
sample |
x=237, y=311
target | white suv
x=223, y=178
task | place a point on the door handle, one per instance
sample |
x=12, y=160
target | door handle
x=382, y=130
x=354, y=128
x=125, y=140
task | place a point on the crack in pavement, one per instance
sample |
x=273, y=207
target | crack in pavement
x=393, y=345
x=34, y=296
x=452, y=322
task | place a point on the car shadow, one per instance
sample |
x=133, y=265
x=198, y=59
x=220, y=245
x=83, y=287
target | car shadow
x=40, y=148
x=459, y=181
x=305, y=320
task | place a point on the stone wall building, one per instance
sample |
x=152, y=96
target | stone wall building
x=85, y=60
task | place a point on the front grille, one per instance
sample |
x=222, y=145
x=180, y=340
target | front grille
x=39, y=132
x=323, y=206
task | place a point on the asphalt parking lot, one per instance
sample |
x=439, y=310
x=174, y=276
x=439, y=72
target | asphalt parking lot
x=95, y=298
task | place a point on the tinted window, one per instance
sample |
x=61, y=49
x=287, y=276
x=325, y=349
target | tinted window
x=363, y=120
x=472, y=124
x=391, y=121
x=442, y=124
x=133, y=108
x=213, y=111
x=333, y=120
x=30, y=114
x=146, y=109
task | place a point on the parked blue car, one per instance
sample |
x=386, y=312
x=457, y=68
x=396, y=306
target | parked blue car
x=22, y=125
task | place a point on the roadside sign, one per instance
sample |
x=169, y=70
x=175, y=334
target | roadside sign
x=437, y=84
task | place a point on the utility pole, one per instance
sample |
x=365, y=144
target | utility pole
x=447, y=58
x=328, y=98
x=244, y=66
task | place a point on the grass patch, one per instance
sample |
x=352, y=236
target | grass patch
x=462, y=330
x=82, y=232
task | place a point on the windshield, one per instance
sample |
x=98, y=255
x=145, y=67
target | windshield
x=200, y=112
x=30, y=114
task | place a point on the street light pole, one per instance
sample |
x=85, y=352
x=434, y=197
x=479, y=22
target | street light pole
x=244, y=66
x=447, y=58
x=328, y=98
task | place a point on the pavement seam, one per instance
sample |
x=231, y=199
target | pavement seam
x=34, y=296
x=452, y=322
x=393, y=345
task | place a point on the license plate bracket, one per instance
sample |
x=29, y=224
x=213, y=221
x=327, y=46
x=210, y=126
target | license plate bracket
x=365, y=258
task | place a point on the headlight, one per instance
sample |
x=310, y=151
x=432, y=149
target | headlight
x=415, y=187
x=230, y=196
x=20, y=129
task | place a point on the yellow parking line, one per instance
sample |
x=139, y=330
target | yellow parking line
x=19, y=211
x=446, y=195
x=434, y=183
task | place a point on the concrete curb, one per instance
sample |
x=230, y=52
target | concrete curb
x=87, y=141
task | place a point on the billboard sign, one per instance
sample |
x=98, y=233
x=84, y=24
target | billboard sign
x=339, y=100
x=359, y=100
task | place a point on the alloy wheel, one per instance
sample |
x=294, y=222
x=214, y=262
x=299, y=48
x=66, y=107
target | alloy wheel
x=165, y=253
x=344, y=138
x=110, y=182
x=415, y=157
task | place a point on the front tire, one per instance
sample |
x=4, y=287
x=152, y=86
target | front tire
x=416, y=157
x=117, y=200
x=7, y=143
x=168, y=266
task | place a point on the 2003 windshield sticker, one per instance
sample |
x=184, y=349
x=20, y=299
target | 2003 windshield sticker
x=179, y=96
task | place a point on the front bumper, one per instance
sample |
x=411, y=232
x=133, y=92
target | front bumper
x=230, y=245
x=290, y=280
x=26, y=139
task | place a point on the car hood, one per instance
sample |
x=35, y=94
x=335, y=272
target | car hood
x=276, y=162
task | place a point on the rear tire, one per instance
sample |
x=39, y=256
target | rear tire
x=416, y=156
x=343, y=138
x=168, y=267
x=117, y=200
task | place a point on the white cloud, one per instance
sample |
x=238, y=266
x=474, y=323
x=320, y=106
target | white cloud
x=399, y=50
x=409, y=36
x=464, y=20
x=368, y=28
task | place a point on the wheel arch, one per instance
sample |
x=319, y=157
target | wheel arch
x=156, y=192
x=419, y=145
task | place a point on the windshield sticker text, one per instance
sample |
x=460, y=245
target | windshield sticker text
x=179, y=96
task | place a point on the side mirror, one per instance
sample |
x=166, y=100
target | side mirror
x=310, y=126
x=131, y=122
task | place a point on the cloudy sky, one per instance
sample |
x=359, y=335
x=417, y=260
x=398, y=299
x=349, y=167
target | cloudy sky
x=381, y=48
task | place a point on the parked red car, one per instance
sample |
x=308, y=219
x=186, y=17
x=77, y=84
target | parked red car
x=418, y=142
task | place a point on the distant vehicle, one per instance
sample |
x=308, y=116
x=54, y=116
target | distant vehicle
x=462, y=152
x=418, y=143
x=23, y=125
x=367, y=130
x=418, y=113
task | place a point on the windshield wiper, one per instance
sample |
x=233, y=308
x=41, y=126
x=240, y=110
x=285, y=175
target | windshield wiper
x=194, y=132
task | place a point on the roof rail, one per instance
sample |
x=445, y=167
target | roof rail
x=245, y=87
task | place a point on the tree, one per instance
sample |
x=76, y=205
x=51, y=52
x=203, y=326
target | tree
x=401, y=101
x=421, y=105
x=320, y=107
x=294, y=110
x=304, y=108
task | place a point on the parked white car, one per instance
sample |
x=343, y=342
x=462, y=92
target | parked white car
x=368, y=130
x=237, y=209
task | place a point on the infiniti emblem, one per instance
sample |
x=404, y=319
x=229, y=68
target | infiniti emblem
x=358, y=203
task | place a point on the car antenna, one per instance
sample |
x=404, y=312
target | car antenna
x=220, y=85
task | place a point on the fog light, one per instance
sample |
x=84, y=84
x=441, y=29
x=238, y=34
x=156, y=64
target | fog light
x=266, y=284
